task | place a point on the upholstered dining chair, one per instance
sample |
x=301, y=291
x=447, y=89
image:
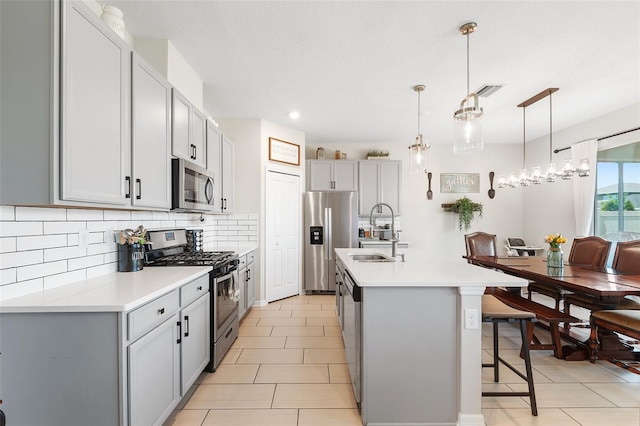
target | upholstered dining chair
x=627, y=261
x=584, y=251
x=589, y=251
x=481, y=244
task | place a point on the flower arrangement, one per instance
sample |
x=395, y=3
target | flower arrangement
x=554, y=241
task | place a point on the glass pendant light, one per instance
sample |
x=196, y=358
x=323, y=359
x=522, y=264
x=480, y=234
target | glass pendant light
x=418, y=151
x=467, y=121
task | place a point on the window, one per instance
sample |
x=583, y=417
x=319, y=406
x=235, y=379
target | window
x=618, y=190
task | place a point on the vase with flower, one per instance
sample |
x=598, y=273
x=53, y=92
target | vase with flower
x=554, y=254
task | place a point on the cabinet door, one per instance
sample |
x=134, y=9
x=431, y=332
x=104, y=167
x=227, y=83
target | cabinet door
x=154, y=374
x=95, y=143
x=320, y=175
x=251, y=285
x=214, y=163
x=181, y=126
x=227, y=174
x=242, y=304
x=345, y=175
x=151, y=137
x=195, y=341
x=368, y=177
x=391, y=184
x=198, y=133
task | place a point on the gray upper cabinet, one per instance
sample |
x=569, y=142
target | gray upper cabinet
x=214, y=163
x=95, y=148
x=189, y=131
x=181, y=127
x=198, y=137
x=227, y=174
x=333, y=175
x=379, y=182
x=65, y=107
x=151, y=137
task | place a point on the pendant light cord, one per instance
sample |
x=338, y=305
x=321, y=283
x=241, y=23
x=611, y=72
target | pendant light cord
x=524, y=138
x=550, y=127
x=419, y=111
x=468, y=63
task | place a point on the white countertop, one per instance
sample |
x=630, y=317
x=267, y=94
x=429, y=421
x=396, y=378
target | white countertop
x=115, y=292
x=421, y=270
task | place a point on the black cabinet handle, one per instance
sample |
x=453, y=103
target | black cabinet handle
x=139, y=183
x=195, y=152
x=128, y=180
x=199, y=288
x=179, y=332
x=186, y=321
x=160, y=311
x=228, y=333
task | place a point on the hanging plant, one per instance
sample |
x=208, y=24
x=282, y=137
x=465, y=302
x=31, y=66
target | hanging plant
x=466, y=210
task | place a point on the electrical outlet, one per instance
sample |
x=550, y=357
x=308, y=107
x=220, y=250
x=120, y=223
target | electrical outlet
x=471, y=320
x=83, y=238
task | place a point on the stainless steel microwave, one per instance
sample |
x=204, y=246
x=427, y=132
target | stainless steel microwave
x=191, y=187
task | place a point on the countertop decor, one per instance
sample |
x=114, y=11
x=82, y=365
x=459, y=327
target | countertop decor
x=377, y=154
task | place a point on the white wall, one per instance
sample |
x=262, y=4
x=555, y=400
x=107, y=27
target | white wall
x=424, y=223
x=548, y=208
x=39, y=247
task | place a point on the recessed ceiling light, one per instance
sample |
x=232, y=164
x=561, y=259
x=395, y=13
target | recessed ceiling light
x=294, y=114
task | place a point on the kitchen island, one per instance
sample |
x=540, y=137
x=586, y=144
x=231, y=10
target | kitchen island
x=420, y=361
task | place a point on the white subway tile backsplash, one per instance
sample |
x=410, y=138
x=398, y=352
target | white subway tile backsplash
x=41, y=241
x=41, y=270
x=58, y=280
x=54, y=254
x=7, y=244
x=82, y=214
x=107, y=268
x=11, y=291
x=101, y=248
x=63, y=227
x=117, y=215
x=38, y=213
x=17, y=229
x=8, y=276
x=39, y=246
x=20, y=258
x=85, y=262
x=7, y=213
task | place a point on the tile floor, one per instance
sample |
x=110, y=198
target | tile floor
x=287, y=368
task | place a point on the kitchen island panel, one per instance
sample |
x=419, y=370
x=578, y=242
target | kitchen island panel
x=408, y=372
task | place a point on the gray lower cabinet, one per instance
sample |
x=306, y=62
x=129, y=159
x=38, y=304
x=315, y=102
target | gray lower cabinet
x=104, y=368
x=154, y=374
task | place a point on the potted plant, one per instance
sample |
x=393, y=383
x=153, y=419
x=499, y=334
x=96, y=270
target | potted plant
x=466, y=210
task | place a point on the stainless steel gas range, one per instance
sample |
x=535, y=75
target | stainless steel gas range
x=169, y=248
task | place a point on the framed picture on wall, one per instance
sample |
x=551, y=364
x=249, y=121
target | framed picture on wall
x=284, y=152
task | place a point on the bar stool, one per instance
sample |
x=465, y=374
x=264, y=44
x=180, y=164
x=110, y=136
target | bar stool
x=496, y=312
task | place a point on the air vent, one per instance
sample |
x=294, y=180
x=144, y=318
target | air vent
x=488, y=90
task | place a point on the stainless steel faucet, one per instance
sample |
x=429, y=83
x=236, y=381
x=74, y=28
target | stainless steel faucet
x=394, y=236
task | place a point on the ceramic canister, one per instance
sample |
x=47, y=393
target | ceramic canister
x=112, y=16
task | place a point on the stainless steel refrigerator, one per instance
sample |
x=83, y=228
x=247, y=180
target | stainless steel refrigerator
x=330, y=221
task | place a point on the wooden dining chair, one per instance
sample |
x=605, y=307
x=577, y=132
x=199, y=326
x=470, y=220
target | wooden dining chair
x=627, y=261
x=588, y=251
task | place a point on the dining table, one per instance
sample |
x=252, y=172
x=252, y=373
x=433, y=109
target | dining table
x=605, y=284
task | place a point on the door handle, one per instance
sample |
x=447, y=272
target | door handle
x=186, y=322
x=128, y=181
x=139, y=184
x=179, y=332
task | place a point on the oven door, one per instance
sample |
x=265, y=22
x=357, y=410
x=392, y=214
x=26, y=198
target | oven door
x=227, y=295
x=192, y=187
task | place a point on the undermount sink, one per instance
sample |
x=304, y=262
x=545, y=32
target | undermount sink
x=371, y=258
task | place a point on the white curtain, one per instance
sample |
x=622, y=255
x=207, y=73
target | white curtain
x=584, y=188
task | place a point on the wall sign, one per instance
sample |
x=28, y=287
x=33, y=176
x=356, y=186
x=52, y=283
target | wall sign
x=459, y=182
x=284, y=152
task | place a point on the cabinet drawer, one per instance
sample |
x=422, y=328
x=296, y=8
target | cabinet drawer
x=193, y=290
x=243, y=262
x=152, y=314
x=251, y=257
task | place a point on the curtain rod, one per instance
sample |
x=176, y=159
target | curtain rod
x=555, y=151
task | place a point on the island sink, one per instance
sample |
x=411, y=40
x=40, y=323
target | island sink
x=371, y=258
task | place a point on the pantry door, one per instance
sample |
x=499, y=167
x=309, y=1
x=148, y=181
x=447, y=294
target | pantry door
x=283, y=257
